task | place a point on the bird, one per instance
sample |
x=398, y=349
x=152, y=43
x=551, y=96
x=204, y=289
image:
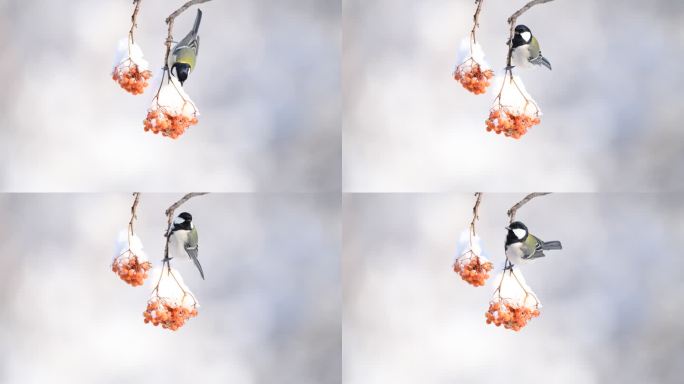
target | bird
x=525, y=49
x=183, y=240
x=183, y=58
x=522, y=246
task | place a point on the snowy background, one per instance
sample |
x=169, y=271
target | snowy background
x=612, y=104
x=612, y=297
x=267, y=86
x=270, y=305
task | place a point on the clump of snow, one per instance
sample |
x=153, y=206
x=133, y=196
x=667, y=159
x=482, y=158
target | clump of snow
x=127, y=50
x=513, y=96
x=511, y=287
x=171, y=288
x=468, y=242
x=173, y=99
x=474, y=51
x=128, y=244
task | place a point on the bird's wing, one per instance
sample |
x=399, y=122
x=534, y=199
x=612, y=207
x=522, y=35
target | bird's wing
x=533, y=49
x=192, y=248
x=541, y=60
x=533, y=247
x=536, y=57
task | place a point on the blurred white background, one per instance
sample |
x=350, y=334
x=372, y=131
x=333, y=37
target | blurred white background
x=270, y=306
x=267, y=86
x=612, y=297
x=612, y=115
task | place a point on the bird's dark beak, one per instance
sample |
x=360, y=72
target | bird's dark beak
x=507, y=228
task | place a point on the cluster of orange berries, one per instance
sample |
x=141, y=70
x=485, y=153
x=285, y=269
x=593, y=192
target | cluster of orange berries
x=473, y=271
x=169, y=316
x=131, y=270
x=168, y=124
x=510, y=124
x=510, y=316
x=131, y=78
x=473, y=78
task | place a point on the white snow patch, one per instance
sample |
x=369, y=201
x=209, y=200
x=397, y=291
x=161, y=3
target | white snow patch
x=130, y=51
x=135, y=246
x=514, y=289
x=171, y=287
x=173, y=98
x=514, y=96
x=477, y=53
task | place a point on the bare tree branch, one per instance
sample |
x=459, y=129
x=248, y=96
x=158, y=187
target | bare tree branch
x=514, y=209
x=476, y=212
x=476, y=20
x=134, y=20
x=512, y=22
x=169, y=215
x=169, y=21
x=134, y=210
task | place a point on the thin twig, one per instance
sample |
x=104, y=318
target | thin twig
x=514, y=209
x=134, y=20
x=134, y=216
x=476, y=23
x=512, y=22
x=169, y=21
x=476, y=214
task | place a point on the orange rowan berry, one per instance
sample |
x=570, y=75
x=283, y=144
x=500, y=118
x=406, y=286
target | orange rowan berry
x=130, y=269
x=510, y=124
x=472, y=270
x=168, y=315
x=472, y=77
x=130, y=78
x=168, y=124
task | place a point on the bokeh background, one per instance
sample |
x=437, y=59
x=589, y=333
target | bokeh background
x=612, y=116
x=267, y=86
x=270, y=305
x=612, y=297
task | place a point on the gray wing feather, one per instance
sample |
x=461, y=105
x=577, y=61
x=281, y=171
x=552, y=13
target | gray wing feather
x=192, y=252
x=535, y=253
x=192, y=248
x=541, y=60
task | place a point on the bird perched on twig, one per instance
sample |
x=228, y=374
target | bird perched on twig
x=183, y=58
x=526, y=49
x=183, y=240
x=522, y=246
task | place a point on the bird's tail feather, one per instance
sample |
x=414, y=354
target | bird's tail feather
x=198, y=265
x=551, y=245
x=545, y=62
x=198, y=19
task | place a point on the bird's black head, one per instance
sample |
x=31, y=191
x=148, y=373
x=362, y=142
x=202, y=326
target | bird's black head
x=521, y=28
x=517, y=232
x=183, y=221
x=182, y=71
x=523, y=35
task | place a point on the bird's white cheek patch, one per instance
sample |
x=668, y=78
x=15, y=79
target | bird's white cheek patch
x=519, y=233
x=178, y=220
x=526, y=36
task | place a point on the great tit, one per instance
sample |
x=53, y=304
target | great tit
x=526, y=49
x=183, y=58
x=522, y=246
x=183, y=240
